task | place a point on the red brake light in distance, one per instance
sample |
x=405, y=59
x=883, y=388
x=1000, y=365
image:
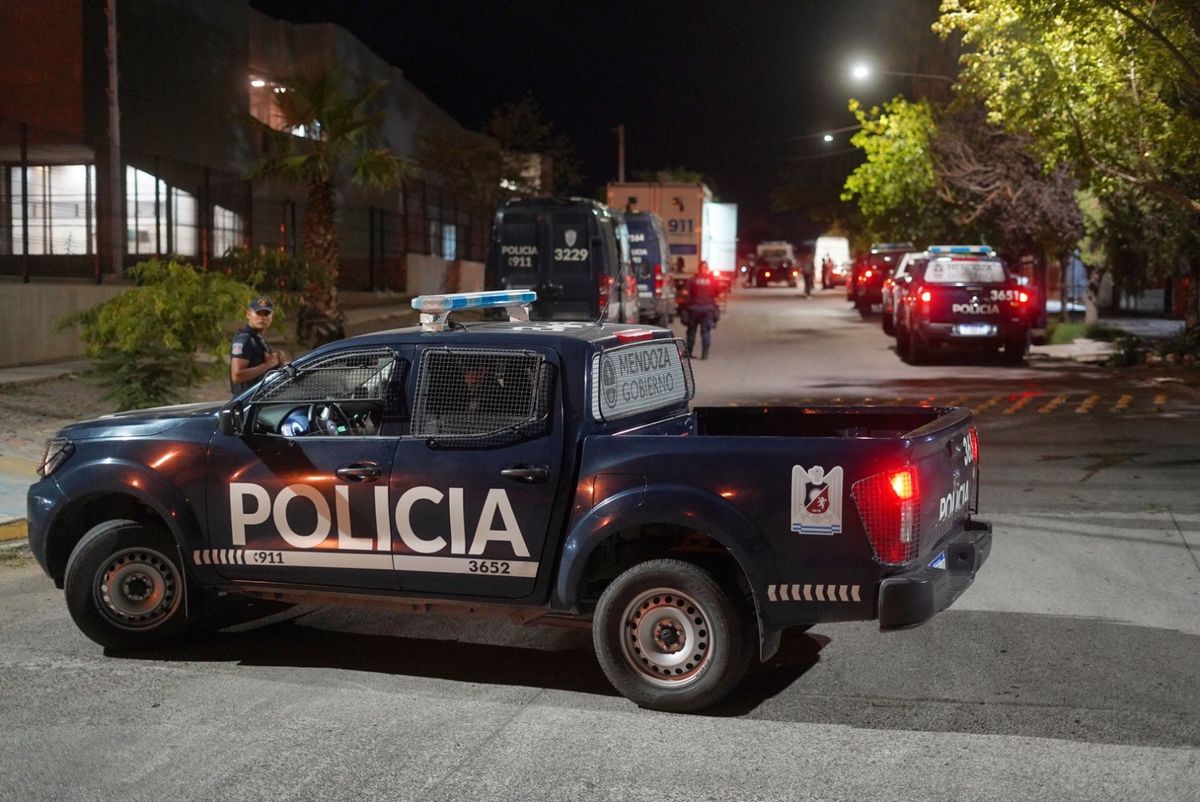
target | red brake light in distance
x=1022, y=297
x=606, y=282
x=926, y=296
x=973, y=436
x=659, y=279
x=866, y=274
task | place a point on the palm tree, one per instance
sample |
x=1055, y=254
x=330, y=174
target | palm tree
x=336, y=147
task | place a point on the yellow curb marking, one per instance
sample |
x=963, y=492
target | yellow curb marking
x=1087, y=404
x=986, y=405
x=1160, y=401
x=958, y=402
x=1015, y=407
x=14, y=530
x=1053, y=404
x=1122, y=403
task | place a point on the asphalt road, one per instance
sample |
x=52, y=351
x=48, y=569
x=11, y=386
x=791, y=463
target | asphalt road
x=1069, y=670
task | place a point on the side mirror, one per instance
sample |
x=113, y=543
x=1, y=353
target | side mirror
x=229, y=420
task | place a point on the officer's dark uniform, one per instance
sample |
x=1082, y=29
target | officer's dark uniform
x=249, y=345
x=702, y=310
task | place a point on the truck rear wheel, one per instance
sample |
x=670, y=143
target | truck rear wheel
x=124, y=586
x=1015, y=350
x=670, y=637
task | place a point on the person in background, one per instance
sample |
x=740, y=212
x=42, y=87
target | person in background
x=249, y=356
x=809, y=269
x=701, y=308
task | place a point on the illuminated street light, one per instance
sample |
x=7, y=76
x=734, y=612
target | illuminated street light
x=827, y=138
x=862, y=72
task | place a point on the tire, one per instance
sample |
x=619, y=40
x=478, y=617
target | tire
x=647, y=617
x=1014, y=351
x=917, y=350
x=125, y=587
x=864, y=308
x=902, y=343
x=889, y=325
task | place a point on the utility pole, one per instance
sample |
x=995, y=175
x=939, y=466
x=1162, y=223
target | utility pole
x=621, y=154
x=112, y=235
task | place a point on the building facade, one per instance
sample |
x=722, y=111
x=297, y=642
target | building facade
x=123, y=137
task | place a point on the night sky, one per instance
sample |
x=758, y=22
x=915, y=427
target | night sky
x=739, y=91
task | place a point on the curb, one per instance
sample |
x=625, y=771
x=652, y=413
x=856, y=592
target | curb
x=14, y=530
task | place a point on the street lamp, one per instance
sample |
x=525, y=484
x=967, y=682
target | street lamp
x=827, y=138
x=862, y=72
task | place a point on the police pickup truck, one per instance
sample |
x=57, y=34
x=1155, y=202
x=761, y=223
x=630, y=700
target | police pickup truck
x=536, y=470
x=961, y=296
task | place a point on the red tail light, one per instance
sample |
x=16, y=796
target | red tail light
x=659, y=279
x=973, y=435
x=795, y=273
x=889, y=505
x=866, y=274
x=1022, y=297
x=606, y=282
x=767, y=274
x=926, y=296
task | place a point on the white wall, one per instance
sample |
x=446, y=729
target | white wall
x=28, y=313
x=429, y=275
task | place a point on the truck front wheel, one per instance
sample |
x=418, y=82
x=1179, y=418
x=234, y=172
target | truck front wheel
x=670, y=637
x=124, y=586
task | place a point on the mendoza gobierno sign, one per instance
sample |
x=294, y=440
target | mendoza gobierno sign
x=635, y=378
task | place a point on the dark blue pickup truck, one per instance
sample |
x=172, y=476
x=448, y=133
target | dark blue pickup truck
x=538, y=470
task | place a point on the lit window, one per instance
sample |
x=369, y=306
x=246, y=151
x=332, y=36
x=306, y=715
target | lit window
x=62, y=210
x=227, y=230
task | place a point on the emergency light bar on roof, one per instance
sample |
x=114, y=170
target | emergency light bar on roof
x=974, y=250
x=436, y=309
x=891, y=246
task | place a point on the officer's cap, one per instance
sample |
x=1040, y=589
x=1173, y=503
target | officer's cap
x=262, y=304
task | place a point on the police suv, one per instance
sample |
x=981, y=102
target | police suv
x=961, y=296
x=539, y=470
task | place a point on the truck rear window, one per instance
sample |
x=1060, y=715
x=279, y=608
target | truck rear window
x=955, y=271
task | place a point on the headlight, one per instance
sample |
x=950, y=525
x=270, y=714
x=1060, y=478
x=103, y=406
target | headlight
x=54, y=454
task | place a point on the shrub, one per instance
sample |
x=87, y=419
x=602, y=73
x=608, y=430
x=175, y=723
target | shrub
x=147, y=338
x=271, y=272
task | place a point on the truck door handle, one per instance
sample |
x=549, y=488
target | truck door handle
x=526, y=473
x=360, y=472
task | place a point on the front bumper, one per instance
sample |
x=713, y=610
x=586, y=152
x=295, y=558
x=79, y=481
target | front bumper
x=44, y=498
x=913, y=597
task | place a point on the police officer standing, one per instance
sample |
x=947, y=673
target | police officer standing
x=250, y=356
x=701, y=307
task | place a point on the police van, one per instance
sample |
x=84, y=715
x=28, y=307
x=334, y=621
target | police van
x=648, y=248
x=538, y=470
x=573, y=252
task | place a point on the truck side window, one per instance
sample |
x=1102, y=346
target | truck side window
x=481, y=398
x=346, y=394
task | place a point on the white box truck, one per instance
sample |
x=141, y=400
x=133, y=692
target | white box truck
x=697, y=228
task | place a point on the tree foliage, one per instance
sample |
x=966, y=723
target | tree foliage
x=894, y=187
x=339, y=149
x=992, y=179
x=522, y=132
x=1111, y=87
x=147, y=337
